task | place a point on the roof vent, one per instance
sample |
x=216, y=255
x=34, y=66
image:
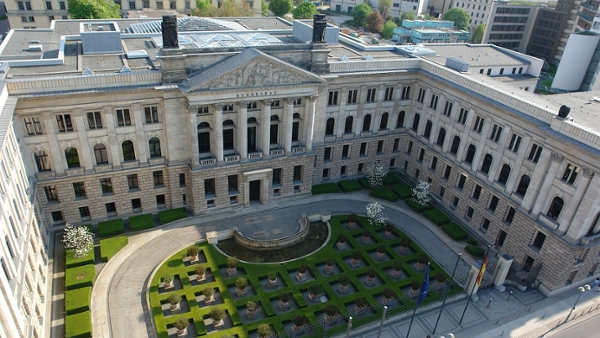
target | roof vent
x=100, y=28
x=564, y=111
x=34, y=42
x=87, y=71
x=125, y=69
x=34, y=48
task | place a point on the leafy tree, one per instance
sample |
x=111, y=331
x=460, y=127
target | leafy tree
x=204, y=8
x=421, y=193
x=375, y=214
x=229, y=8
x=375, y=22
x=79, y=239
x=406, y=16
x=376, y=173
x=477, y=35
x=93, y=9
x=264, y=8
x=305, y=10
x=360, y=14
x=384, y=8
x=280, y=7
x=460, y=17
x=388, y=29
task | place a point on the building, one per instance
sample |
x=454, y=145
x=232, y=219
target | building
x=479, y=10
x=510, y=26
x=550, y=29
x=398, y=6
x=428, y=31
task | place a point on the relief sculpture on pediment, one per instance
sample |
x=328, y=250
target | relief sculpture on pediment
x=255, y=74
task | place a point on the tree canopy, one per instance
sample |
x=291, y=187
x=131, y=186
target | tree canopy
x=384, y=8
x=229, y=8
x=404, y=16
x=93, y=9
x=388, y=29
x=360, y=14
x=460, y=17
x=264, y=7
x=280, y=7
x=374, y=22
x=477, y=35
x=305, y=10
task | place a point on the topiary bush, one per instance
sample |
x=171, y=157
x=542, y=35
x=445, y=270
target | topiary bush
x=384, y=194
x=78, y=325
x=455, y=232
x=416, y=206
x=77, y=300
x=364, y=182
x=167, y=216
x=472, y=241
x=141, y=222
x=391, y=179
x=80, y=277
x=349, y=185
x=436, y=216
x=327, y=188
x=71, y=261
x=111, y=228
x=403, y=191
x=475, y=251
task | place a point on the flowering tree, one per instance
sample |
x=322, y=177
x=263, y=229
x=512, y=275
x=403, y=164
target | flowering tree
x=375, y=214
x=421, y=193
x=79, y=239
x=376, y=173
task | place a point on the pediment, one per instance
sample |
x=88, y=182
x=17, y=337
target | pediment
x=250, y=68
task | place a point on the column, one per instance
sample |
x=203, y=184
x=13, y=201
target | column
x=243, y=130
x=288, y=119
x=480, y=146
x=265, y=126
x=141, y=153
x=569, y=213
x=193, y=137
x=547, y=185
x=114, y=147
x=57, y=153
x=218, y=131
x=311, y=122
x=86, y=154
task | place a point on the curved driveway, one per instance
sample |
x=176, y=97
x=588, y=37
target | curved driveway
x=119, y=305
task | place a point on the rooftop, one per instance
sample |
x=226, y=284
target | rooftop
x=475, y=55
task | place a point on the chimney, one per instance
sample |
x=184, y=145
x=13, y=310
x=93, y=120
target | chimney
x=319, y=24
x=169, y=31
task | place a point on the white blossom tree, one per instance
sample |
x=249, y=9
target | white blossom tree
x=421, y=193
x=375, y=214
x=376, y=172
x=79, y=239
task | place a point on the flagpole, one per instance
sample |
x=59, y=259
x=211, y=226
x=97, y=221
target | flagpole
x=446, y=294
x=473, y=288
x=425, y=286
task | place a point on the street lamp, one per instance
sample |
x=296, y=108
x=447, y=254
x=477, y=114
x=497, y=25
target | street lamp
x=581, y=289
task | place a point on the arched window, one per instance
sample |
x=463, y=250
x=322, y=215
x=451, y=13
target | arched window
x=504, y=173
x=154, y=144
x=441, y=137
x=455, y=145
x=252, y=134
x=296, y=127
x=523, y=185
x=470, y=154
x=348, y=125
x=72, y=158
x=367, y=123
x=416, y=120
x=329, y=126
x=128, y=151
x=556, y=207
x=203, y=137
x=228, y=131
x=400, y=121
x=41, y=160
x=428, y=126
x=487, y=163
x=100, y=153
x=274, y=135
x=384, y=121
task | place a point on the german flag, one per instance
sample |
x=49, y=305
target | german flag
x=482, y=270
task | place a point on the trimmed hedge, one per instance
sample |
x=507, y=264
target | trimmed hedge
x=111, y=228
x=391, y=179
x=416, y=206
x=475, y=251
x=167, y=216
x=364, y=182
x=385, y=194
x=71, y=261
x=349, y=185
x=403, y=191
x=472, y=241
x=78, y=325
x=455, y=232
x=77, y=300
x=80, y=277
x=437, y=216
x=326, y=188
x=110, y=246
x=141, y=222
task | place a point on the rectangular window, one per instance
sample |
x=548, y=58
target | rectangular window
x=159, y=5
x=209, y=187
x=151, y=114
x=64, y=123
x=421, y=96
x=57, y=216
x=485, y=225
x=434, y=161
x=79, y=189
x=28, y=6
x=380, y=147
x=132, y=181
x=173, y=4
x=160, y=201
x=327, y=154
x=515, y=142
x=94, y=120
x=21, y=5
x=493, y=203
x=63, y=5
x=343, y=170
x=352, y=94
x=51, y=194
x=442, y=191
x=389, y=94
x=131, y=4
x=476, y=192
x=447, y=172
x=371, y=94
x=277, y=176
x=84, y=212
x=326, y=173
x=534, y=154
x=392, y=162
x=360, y=168
x=111, y=208
x=106, y=185
x=203, y=110
x=49, y=5
x=461, y=181
x=136, y=204
x=455, y=201
x=363, y=149
x=409, y=147
x=182, y=180
x=496, y=132
x=158, y=178
x=421, y=154
x=333, y=98
x=570, y=174
x=510, y=215
x=123, y=117
x=405, y=93
x=462, y=116
x=417, y=173
x=298, y=173
x=469, y=213
x=434, y=101
x=396, y=144
x=345, y=150
x=145, y=4
x=478, y=126
x=539, y=240
x=33, y=125
x=405, y=165
x=448, y=108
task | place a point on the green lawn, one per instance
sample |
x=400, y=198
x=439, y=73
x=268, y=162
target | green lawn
x=80, y=277
x=110, y=246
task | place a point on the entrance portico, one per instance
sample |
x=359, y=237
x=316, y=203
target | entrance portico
x=257, y=186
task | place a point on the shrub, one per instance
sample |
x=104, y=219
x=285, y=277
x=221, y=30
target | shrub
x=251, y=306
x=72, y=261
x=440, y=277
x=344, y=280
x=366, y=233
x=415, y=284
x=327, y=188
x=80, y=277
x=241, y=283
x=174, y=298
x=371, y=273
x=381, y=249
x=110, y=246
x=167, y=216
x=436, y=216
x=200, y=270
x=389, y=228
x=298, y=320
x=77, y=300
x=284, y=297
x=181, y=323
x=416, y=207
x=405, y=242
x=111, y=228
x=403, y=191
x=168, y=278
x=422, y=258
x=389, y=293
x=273, y=276
x=315, y=289
x=361, y=302
x=472, y=241
x=349, y=185
x=352, y=218
x=217, y=314
x=356, y=255
x=232, y=261
x=264, y=330
x=384, y=194
x=455, y=232
x=193, y=251
x=331, y=310
x=330, y=261
x=475, y=251
x=141, y=222
x=342, y=238
x=364, y=182
x=397, y=265
x=391, y=179
x=78, y=325
x=303, y=268
x=208, y=292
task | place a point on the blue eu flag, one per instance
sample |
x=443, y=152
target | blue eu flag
x=424, y=288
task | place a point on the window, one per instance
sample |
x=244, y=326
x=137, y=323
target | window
x=64, y=123
x=493, y=203
x=363, y=149
x=111, y=208
x=360, y=168
x=478, y=126
x=51, y=194
x=295, y=127
x=21, y=5
x=384, y=121
x=276, y=176
x=62, y=5
x=158, y=178
x=352, y=94
x=421, y=154
x=182, y=180
x=57, y=216
x=486, y=164
x=523, y=185
x=100, y=154
x=232, y=183
x=417, y=173
x=392, y=162
x=400, y=121
x=79, y=189
x=380, y=147
x=298, y=173
x=510, y=215
x=539, y=240
x=476, y=192
x=366, y=123
x=434, y=101
x=159, y=5
x=409, y=147
x=41, y=161
x=128, y=151
x=462, y=116
x=520, y=70
x=327, y=154
x=469, y=213
x=396, y=144
x=371, y=94
x=325, y=173
x=145, y=4
x=504, y=174
x=421, y=96
x=136, y=204
x=131, y=4
x=151, y=114
x=447, y=172
x=123, y=117
x=515, y=142
x=470, y=154
x=329, y=126
x=160, y=200
x=333, y=98
x=203, y=137
x=345, y=150
x=343, y=170
x=501, y=71
x=461, y=181
x=348, y=125
x=389, y=94
x=555, y=208
x=203, y=110
x=405, y=93
x=154, y=144
x=33, y=126
x=298, y=101
x=570, y=174
x=209, y=187
x=455, y=145
x=132, y=181
x=427, y=131
x=72, y=158
x=442, y=191
x=172, y=5
x=251, y=139
x=485, y=225
x=496, y=132
x=228, y=138
x=84, y=212
x=489, y=72
x=441, y=137
x=415, y=125
x=106, y=185
x=94, y=120
x=448, y=108
x=534, y=154
x=455, y=201
x=434, y=162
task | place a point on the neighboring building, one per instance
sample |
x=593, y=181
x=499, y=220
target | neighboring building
x=550, y=29
x=585, y=15
x=510, y=26
x=430, y=31
x=479, y=10
x=398, y=6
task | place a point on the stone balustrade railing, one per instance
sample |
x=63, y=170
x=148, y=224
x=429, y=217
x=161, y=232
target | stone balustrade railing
x=272, y=244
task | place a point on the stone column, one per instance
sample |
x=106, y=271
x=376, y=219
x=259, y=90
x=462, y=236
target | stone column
x=57, y=153
x=265, y=127
x=114, y=147
x=536, y=181
x=311, y=122
x=547, y=185
x=569, y=213
x=243, y=130
x=86, y=154
x=193, y=137
x=142, y=154
x=218, y=131
x=288, y=123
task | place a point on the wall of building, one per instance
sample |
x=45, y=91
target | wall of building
x=575, y=61
x=478, y=10
x=510, y=26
